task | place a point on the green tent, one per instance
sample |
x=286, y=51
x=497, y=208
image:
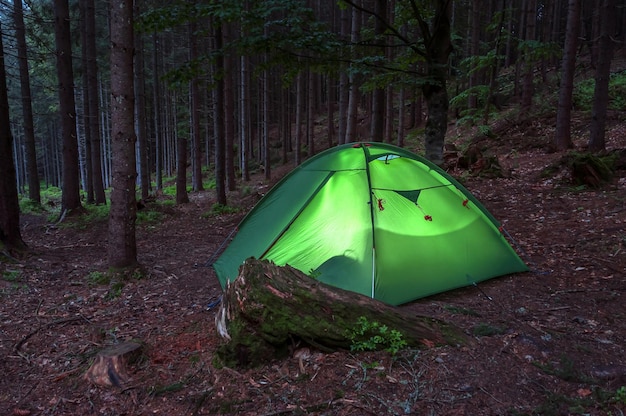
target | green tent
x=374, y=219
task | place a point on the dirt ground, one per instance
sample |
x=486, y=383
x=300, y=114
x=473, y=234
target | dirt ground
x=547, y=342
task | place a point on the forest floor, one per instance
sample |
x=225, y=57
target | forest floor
x=547, y=342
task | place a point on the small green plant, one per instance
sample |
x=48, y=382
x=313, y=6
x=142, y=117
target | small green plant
x=115, y=291
x=96, y=213
x=584, y=91
x=98, y=278
x=11, y=275
x=371, y=336
x=620, y=396
x=219, y=209
x=169, y=190
x=28, y=206
x=314, y=274
x=210, y=184
x=149, y=217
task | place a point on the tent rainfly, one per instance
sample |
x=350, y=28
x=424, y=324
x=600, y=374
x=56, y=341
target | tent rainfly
x=375, y=219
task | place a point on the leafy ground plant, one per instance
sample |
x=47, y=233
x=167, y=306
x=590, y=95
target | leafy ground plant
x=371, y=336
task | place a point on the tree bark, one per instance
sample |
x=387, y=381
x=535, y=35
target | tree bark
x=88, y=172
x=122, y=246
x=529, y=68
x=158, y=120
x=10, y=235
x=181, y=169
x=194, y=94
x=140, y=114
x=70, y=199
x=563, y=133
x=27, y=108
x=220, y=141
x=94, y=109
x=229, y=108
x=438, y=48
x=269, y=308
x=603, y=75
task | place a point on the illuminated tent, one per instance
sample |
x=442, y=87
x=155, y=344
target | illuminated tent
x=374, y=219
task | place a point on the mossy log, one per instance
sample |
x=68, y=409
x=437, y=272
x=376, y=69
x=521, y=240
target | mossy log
x=110, y=368
x=269, y=309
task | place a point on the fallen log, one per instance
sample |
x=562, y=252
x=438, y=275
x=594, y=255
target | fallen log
x=110, y=368
x=269, y=310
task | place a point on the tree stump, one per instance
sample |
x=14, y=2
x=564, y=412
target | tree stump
x=110, y=368
x=269, y=309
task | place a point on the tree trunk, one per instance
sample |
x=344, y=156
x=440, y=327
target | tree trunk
x=94, y=109
x=10, y=236
x=220, y=90
x=229, y=112
x=140, y=113
x=474, y=49
x=158, y=123
x=70, y=199
x=122, y=247
x=529, y=68
x=268, y=309
x=438, y=48
x=181, y=169
x=377, y=127
x=27, y=109
x=353, y=94
x=344, y=82
x=299, y=110
x=244, y=117
x=563, y=137
x=194, y=94
x=603, y=75
x=310, y=113
x=88, y=172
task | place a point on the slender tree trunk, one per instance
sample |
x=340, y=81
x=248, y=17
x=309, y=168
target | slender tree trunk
x=266, y=154
x=158, y=124
x=88, y=172
x=493, y=70
x=10, y=235
x=244, y=117
x=378, y=95
x=194, y=94
x=229, y=113
x=389, y=115
x=122, y=247
x=529, y=68
x=438, y=48
x=27, y=109
x=310, y=113
x=353, y=95
x=563, y=138
x=299, y=111
x=285, y=124
x=94, y=109
x=220, y=89
x=140, y=113
x=474, y=49
x=603, y=75
x=70, y=199
x=401, y=114
x=330, y=110
x=181, y=169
